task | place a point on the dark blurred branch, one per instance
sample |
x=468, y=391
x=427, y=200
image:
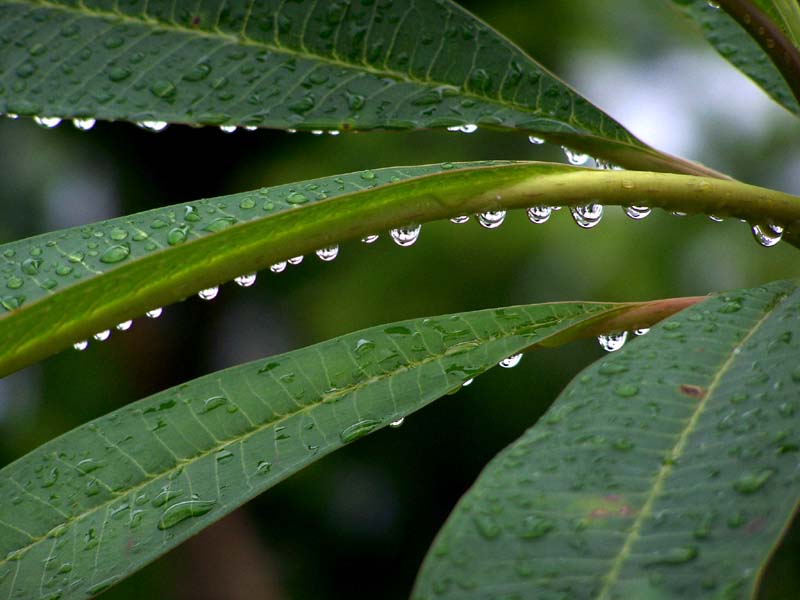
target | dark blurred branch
x=770, y=37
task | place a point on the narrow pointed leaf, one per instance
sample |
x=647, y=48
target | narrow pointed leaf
x=64, y=286
x=665, y=470
x=304, y=65
x=114, y=494
x=742, y=49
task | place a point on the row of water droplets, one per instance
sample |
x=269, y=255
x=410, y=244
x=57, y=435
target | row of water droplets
x=586, y=216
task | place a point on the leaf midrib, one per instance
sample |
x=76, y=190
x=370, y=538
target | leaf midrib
x=588, y=314
x=243, y=40
x=667, y=467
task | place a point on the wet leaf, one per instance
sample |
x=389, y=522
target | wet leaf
x=306, y=65
x=65, y=286
x=96, y=504
x=665, y=470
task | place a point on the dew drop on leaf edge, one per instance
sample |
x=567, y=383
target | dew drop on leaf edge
x=613, y=341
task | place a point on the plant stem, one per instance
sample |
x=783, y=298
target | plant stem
x=770, y=37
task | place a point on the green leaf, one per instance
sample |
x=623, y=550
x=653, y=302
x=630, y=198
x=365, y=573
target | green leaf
x=737, y=46
x=666, y=470
x=64, y=286
x=94, y=505
x=304, y=64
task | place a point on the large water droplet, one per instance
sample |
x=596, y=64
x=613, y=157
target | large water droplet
x=116, y=254
x=511, y=362
x=295, y=260
x=278, y=267
x=328, y=254
x=612, y=341
x=358, y=429
x=155, y=313
x=575, y=158
x=154, y=126
x=183, y=510
x=587, y=216
x=102, y=336
x=460, y=220
x=637, y=212
x=125, y=325
x=397, y=423
x=370, y=239
x=47, y=122
x=208, y=293
x=227, y=128
x=539, y=214
x=492, y=219
x=82, y=345
x=641, y=331
x=535, y=140
x=405, y=236
x=246, y=280
x=468, y=382
x=468, y=128
x=767, y=234
x=83, y=124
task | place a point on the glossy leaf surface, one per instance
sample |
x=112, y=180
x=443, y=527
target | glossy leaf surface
x=96, y=504
x=665, y=470
x=340, y=65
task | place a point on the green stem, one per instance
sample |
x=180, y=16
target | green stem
x=770, y=37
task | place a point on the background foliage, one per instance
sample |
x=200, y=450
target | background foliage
x=372, y=509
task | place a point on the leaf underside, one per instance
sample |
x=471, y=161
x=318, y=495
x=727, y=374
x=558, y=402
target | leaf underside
x=94, y=505
x=735, y=45
x=666, y=470
x=303, y=64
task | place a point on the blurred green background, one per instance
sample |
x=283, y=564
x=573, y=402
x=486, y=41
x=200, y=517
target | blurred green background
x=358, y=523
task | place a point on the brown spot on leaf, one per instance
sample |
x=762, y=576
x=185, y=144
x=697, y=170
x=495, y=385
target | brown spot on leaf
x=693, y=391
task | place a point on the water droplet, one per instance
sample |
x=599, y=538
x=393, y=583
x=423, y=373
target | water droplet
x=370, y=239
x=511, y=362
x=295, y=260
x=641, y=331
x=468, y=128
x=575, y=158
x=278, y=267
x=155, y=313
x=47, y=122
x=751, y=482
x=102, y=336
x=246, y=280
x=82, y=345
x=125, y=325
x=183, y=510
x=535, y=140
x=177, y=235
x=263, y=467
x=677, y=213
x=83, y=124
x=208, y=293
x=539, y=214
x=398, y=422
x=154, y=126
x=460, y=220
x=328, y=254
x=116, y=254
x=637, y=212
x=227, y=128
x=405, y=236
x=162, y=88
x=468, y=382
x=358, y=429
x=587, y=216
x=535, y=526
x=767, y=235
x=715, y=219
x=626, y=390
x=613, y=341
x=492, y=219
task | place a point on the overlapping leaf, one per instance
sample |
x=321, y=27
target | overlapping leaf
x=63, y=286
x=338, y=65
x=666, y=470
x=96, y=504
x=742, y=50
